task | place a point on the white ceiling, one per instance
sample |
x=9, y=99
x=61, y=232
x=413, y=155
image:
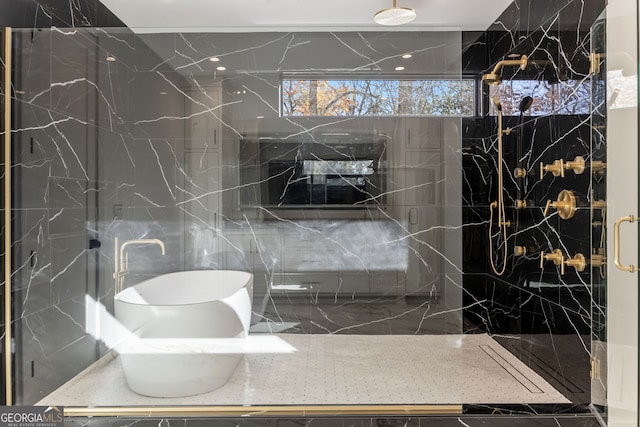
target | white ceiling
x=301, y=15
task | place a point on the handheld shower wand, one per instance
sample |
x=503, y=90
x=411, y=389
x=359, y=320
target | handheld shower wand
x=499, y=204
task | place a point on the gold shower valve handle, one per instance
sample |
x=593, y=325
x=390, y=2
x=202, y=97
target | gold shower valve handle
x=578, y=165
x=566, y=205
x=556, y=168
x=520, y=204
x=578, y=262
x=556, y=256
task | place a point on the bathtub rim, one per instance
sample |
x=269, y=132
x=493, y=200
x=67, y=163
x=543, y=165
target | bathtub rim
x=117, y=298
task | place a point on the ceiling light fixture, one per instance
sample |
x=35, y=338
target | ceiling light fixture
x=407, y=56
x=214, y=59
x=394, y=15
x=401, y=68
x=110, y=58
x=221, y=68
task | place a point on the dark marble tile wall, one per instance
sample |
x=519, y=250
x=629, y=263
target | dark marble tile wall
x=50, y=152
x=436, y=421
x=65, y=13
x=76, y=156
x=529, y=308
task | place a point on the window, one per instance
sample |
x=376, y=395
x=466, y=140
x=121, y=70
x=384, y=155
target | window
x=378, y=97
x=564, y=98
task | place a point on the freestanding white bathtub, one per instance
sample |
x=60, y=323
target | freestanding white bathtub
x=184, y=327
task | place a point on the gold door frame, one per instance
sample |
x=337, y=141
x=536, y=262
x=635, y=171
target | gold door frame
x=6, y=36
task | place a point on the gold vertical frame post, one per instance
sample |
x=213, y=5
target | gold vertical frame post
x=8, y=377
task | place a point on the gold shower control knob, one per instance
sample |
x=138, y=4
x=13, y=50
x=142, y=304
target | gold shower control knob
x=598, y=260
x=520, y=204
x=556, y=168
x=556, y=256
x=519, y=250
x=599, y=204
x=578, y=165
x=519, y=172
x=578, y=262
x=598, y=167
x=566, y=205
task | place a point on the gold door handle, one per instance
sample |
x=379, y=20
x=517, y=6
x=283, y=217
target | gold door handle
x=616, y=244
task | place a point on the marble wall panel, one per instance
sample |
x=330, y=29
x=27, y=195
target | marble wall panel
x=535, y=305
x=51, y=356
x=32, y=66
x=441, y=421
x=144, y=172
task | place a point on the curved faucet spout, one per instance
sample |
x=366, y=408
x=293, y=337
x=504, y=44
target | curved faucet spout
x=122, y=259
x=143, y=242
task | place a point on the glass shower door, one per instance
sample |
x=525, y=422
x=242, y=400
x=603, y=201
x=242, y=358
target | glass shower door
x=618, y=74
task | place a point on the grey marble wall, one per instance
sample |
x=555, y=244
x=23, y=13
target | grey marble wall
x=138, y=136
x=72, y=126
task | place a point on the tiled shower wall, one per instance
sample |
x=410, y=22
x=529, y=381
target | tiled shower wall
x=541, y=315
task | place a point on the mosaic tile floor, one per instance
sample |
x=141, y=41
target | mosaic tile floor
x=344, y=369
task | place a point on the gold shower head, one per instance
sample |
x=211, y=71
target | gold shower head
x=491, y=79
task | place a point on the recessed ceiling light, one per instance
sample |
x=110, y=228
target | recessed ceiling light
x=110, y=58
x=407, y=56
x=259, y=117
x=394, y=15
x=399, y=68
x=221, y=68
x=214, y=59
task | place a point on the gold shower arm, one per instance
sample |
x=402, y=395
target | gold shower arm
x=522, y=62
x=493, y=78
